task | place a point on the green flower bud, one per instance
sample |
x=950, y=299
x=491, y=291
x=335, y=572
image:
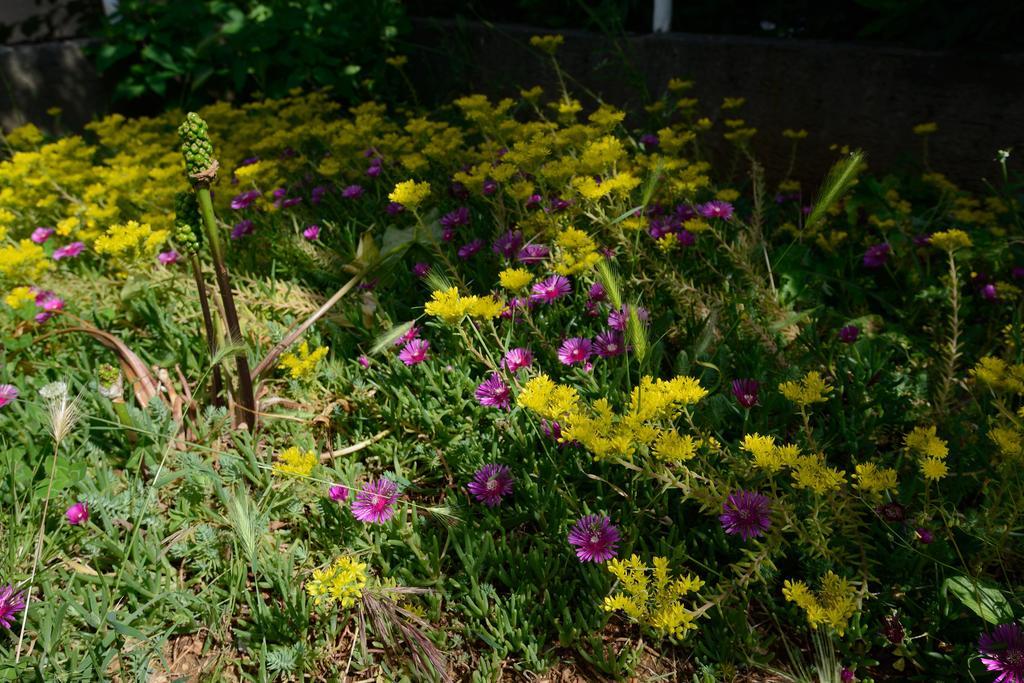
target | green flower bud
x=196, y=149
x=187, y=234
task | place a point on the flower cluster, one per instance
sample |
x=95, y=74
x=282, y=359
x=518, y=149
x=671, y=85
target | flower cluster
x=650, y=596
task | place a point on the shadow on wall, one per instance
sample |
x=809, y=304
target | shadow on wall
x=44, y=75
x=840, y=93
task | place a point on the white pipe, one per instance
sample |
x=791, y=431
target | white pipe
x=662, y=16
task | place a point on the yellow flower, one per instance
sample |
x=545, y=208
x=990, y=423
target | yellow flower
x=656, y=600
x=515, y=279
x=933, y=469
x=341, y=583
x=446, y=305
x=924, y=441
x=950, y=240
x=811, y=389
x=410, y=193
x=19, y=296
x=833, y=606
x=303, y=363
x=294, y=462
x=549, y=43
x=397, y=61
x=727, y=195
x=791, y=134
x=25, y=261
x=811, y=472
x=926, y=128
x=549, y=400
x=873, y=479
x=671, y=446
x=246, y=174
x=733, y=102
x=577, y=252
x=484, y=307
x=132, y=241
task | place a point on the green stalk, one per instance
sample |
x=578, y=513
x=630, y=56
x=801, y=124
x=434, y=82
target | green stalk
x=211, y=337
x=245, y=398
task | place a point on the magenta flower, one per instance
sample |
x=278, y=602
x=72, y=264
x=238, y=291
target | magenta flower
x=410, y=334
x=468, y=250
x=364, y=360
x=316, y=195
x=597, y=292
x=846, y=675
x=11, y=602
x=50, y=302
x=609, y=344
x=518, y=358
x=926, y=537
x=414, y=352
x=490, y=484
x=168, y=257
x=619, y=318
x=988, y=292
x=489, y=187
x=40, y=235
x=8, y=394
x=716, y=209
x=455, y=219
x=77, y=514
x=420, y=270
x=555, y=287
x=1002, y=651
x=312, y=232
x=68, y=251
x=353, y=192
x=508, y=244
x=493, y=392
x=595, y=537
x=374, y=169
x=876, y=255
x=649, y=140
x=745, y=391
x=848, y=334
x=244, y=200
x=338, y=493
x=375, y=502
x=241, y=229
x=746, y=513
x=575, y=350
x=533, y=253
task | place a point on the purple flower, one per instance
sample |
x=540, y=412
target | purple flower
x=317, y=195
x=877, y=255
x=414, y=352
x=925, y=536
x=40, y=235
x=407, y=336
x=892, y=629
x=456, y=218
x=248, y=161
x=1017, y=273
x=338, y=493
x=533, y=253
x=490, y=187
x=517, y=359
x=618, y=319
x=68, y=251
x=988, y=292
x=490, y=484
x=241, y=229
x=575, y=350
x=458, y=191
x=745, y=391
x=375, y=502
x=686, y=238
x=508, y=244
x=558, y=205
x=394, y=208
x=746, y=513
x=716, y=209
x=493, y=392
x=312, y=232
x=244, y=200
x=610, y=343
x=8, y=394
x=11, y=602
x=649, y=140
x=846, y=675
x=849, y=334
x=364, y=360
x=353, y=192
x=49, y=302
x=533, y=201
x=468, y=250
x=374, y=169
x=555, y=287
x=1002, y=651
x=77, y=514
x=168, y=257
x=595, y=539
x=892, y=512
x=420, y=270
x=597, y=292
x=288, y=203
x=553, y=431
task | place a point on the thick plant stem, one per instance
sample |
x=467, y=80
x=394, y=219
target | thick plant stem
x=211, y=334
x=245, y=398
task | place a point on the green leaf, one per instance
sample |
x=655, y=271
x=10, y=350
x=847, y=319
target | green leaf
x=987, y=602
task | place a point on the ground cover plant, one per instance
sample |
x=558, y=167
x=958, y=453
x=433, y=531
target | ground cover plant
x=298, y=391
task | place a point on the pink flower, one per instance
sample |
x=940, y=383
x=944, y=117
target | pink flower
x=40, y=235
x=554, y=287
x=364, y=360
x=493, y=392
x=375, y=502
x=352, y=192
x=77, y=514
x=168, y=257
x=241, y=229
x=517, y=359
x=311, y=233
x=410, y=334
x=414, y=352
x=716, y=209
x=575, y=350
x=609, y=344
x=420, y=269
x=68, y=251
x=596, y=539
x=8, y=394
x=338, y=493
x=11, y=602
x=245, y=199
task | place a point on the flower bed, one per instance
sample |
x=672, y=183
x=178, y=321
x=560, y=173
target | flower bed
x=502, y=387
